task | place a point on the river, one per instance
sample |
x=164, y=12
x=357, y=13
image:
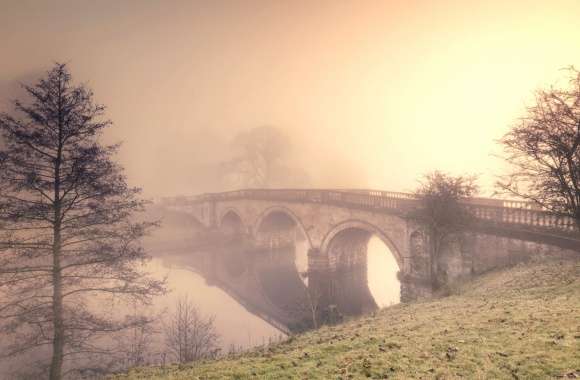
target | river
x=237, y=326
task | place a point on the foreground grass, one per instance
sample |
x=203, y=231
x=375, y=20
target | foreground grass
x=518, y=323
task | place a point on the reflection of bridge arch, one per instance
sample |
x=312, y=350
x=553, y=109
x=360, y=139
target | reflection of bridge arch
x=364, y=226
x=287, y=212
x=280, y=282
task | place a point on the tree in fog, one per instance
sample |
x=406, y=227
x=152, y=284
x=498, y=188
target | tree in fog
x=313, y=299
x=68, y=241
x=258, y=154
x=441, y=211
x=135, y=346
x=189, y=336
x=543, y=150
x=312, y=302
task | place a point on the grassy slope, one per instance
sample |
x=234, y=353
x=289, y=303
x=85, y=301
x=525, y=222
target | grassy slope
x=519, y=323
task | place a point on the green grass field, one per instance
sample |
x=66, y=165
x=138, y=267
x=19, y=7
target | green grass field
x=518, y=323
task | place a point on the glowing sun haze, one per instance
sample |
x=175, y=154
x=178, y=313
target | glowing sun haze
x=372, y=93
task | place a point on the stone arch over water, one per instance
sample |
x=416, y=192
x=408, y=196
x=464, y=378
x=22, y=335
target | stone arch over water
x=279, y=217
x=361, y=231
x=231, y=222
x=346, y=247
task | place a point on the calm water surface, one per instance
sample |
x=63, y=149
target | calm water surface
x=233, y=322
x=241, y=328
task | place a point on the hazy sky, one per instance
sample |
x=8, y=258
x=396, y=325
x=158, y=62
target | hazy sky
x=373, y=93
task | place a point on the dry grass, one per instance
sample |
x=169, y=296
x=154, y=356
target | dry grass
x=518, y=323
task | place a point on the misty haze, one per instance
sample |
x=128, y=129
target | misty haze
x=254, y=189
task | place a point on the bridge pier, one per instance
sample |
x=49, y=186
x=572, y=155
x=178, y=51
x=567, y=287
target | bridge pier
x=415, y=274
x=320, y=279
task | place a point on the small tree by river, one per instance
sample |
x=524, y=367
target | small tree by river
x=190, y=336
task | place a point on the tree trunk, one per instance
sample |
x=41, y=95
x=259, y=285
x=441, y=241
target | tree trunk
x=57, y=307
x=58, y=339
x=435, y=245
x=313, y=309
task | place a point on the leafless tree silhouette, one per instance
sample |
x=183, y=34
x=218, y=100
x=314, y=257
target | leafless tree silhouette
x=257, y=153
x=188, y=335
x=312, y=302
x=135, y=345
x=543, y=150
x=67, y=238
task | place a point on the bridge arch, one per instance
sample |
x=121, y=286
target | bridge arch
x=283, y=210
x=231, y=220
x=355, y=224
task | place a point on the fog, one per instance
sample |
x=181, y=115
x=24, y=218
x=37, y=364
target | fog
x=217, y=95
x=370, y=95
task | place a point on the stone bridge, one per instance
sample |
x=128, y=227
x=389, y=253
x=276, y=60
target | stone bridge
x=337, y=225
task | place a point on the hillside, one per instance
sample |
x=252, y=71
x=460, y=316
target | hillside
x=517, y=323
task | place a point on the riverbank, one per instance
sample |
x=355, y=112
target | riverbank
x=517, y=323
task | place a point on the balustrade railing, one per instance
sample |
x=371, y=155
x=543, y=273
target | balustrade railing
x=523, y=216
x=361, y=198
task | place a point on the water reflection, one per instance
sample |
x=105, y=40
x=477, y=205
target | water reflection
x=252, y=290
x=234, y=323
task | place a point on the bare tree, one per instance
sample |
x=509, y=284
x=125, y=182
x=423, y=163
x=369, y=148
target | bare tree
x=313, y=300
x=257, y=154
x=135, y=345
x=441, y=211
x=313, y=297
x=68, y=242
x=189, y=336
x=544, y=151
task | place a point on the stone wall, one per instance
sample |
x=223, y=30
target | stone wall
x=473, y=253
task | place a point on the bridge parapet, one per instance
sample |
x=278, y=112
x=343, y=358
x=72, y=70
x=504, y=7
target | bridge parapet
x=525, y=217
x=355, y=198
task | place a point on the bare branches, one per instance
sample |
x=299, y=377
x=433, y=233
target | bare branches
x=258, y=152
x=543, y=150
x=189, y=336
